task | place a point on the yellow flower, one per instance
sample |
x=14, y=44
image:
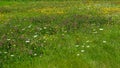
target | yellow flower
x=110, y=10
x=1, y=15
x=48, y=10
x=60, y=12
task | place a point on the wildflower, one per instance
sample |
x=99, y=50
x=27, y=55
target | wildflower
x=40, y=28
x=27, y=41
x=78, y=54
x=45, y=27
x=12, y=55
x=35, y=36
x=8, y=39
x=77, y=46
x=35, y=54
x=87, y=41
x=104, y=41
x=14, y=45
x=65, y=31
x=88, y=46
x=5, y=52
x=101, y=29
x=82, y=50
x=60, y=12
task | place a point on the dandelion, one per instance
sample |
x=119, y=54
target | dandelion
x=60, y=12
x=101, y=29
x=35, y=36
x=78, y=54
x=12, y=55
x=104, y=41
x=82, y=50
x=110, y=10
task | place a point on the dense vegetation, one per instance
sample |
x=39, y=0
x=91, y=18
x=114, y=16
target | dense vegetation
x=59, y=34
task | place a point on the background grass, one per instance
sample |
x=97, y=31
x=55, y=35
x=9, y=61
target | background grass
x=65, y=34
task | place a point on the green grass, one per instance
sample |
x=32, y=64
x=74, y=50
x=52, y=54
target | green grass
x=59, y=34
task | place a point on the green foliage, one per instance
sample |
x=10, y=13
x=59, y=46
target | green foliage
x=59, y=34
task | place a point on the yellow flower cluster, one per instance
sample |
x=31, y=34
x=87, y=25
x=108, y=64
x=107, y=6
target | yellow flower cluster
x=49, y=10
x=110, y=10
x=1, y=15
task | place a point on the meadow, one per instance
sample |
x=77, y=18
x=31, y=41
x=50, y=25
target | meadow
x=59, y=34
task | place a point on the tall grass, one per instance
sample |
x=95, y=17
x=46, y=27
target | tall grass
x=66, y=34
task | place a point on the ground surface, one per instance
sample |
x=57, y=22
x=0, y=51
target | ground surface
x=60, y=34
